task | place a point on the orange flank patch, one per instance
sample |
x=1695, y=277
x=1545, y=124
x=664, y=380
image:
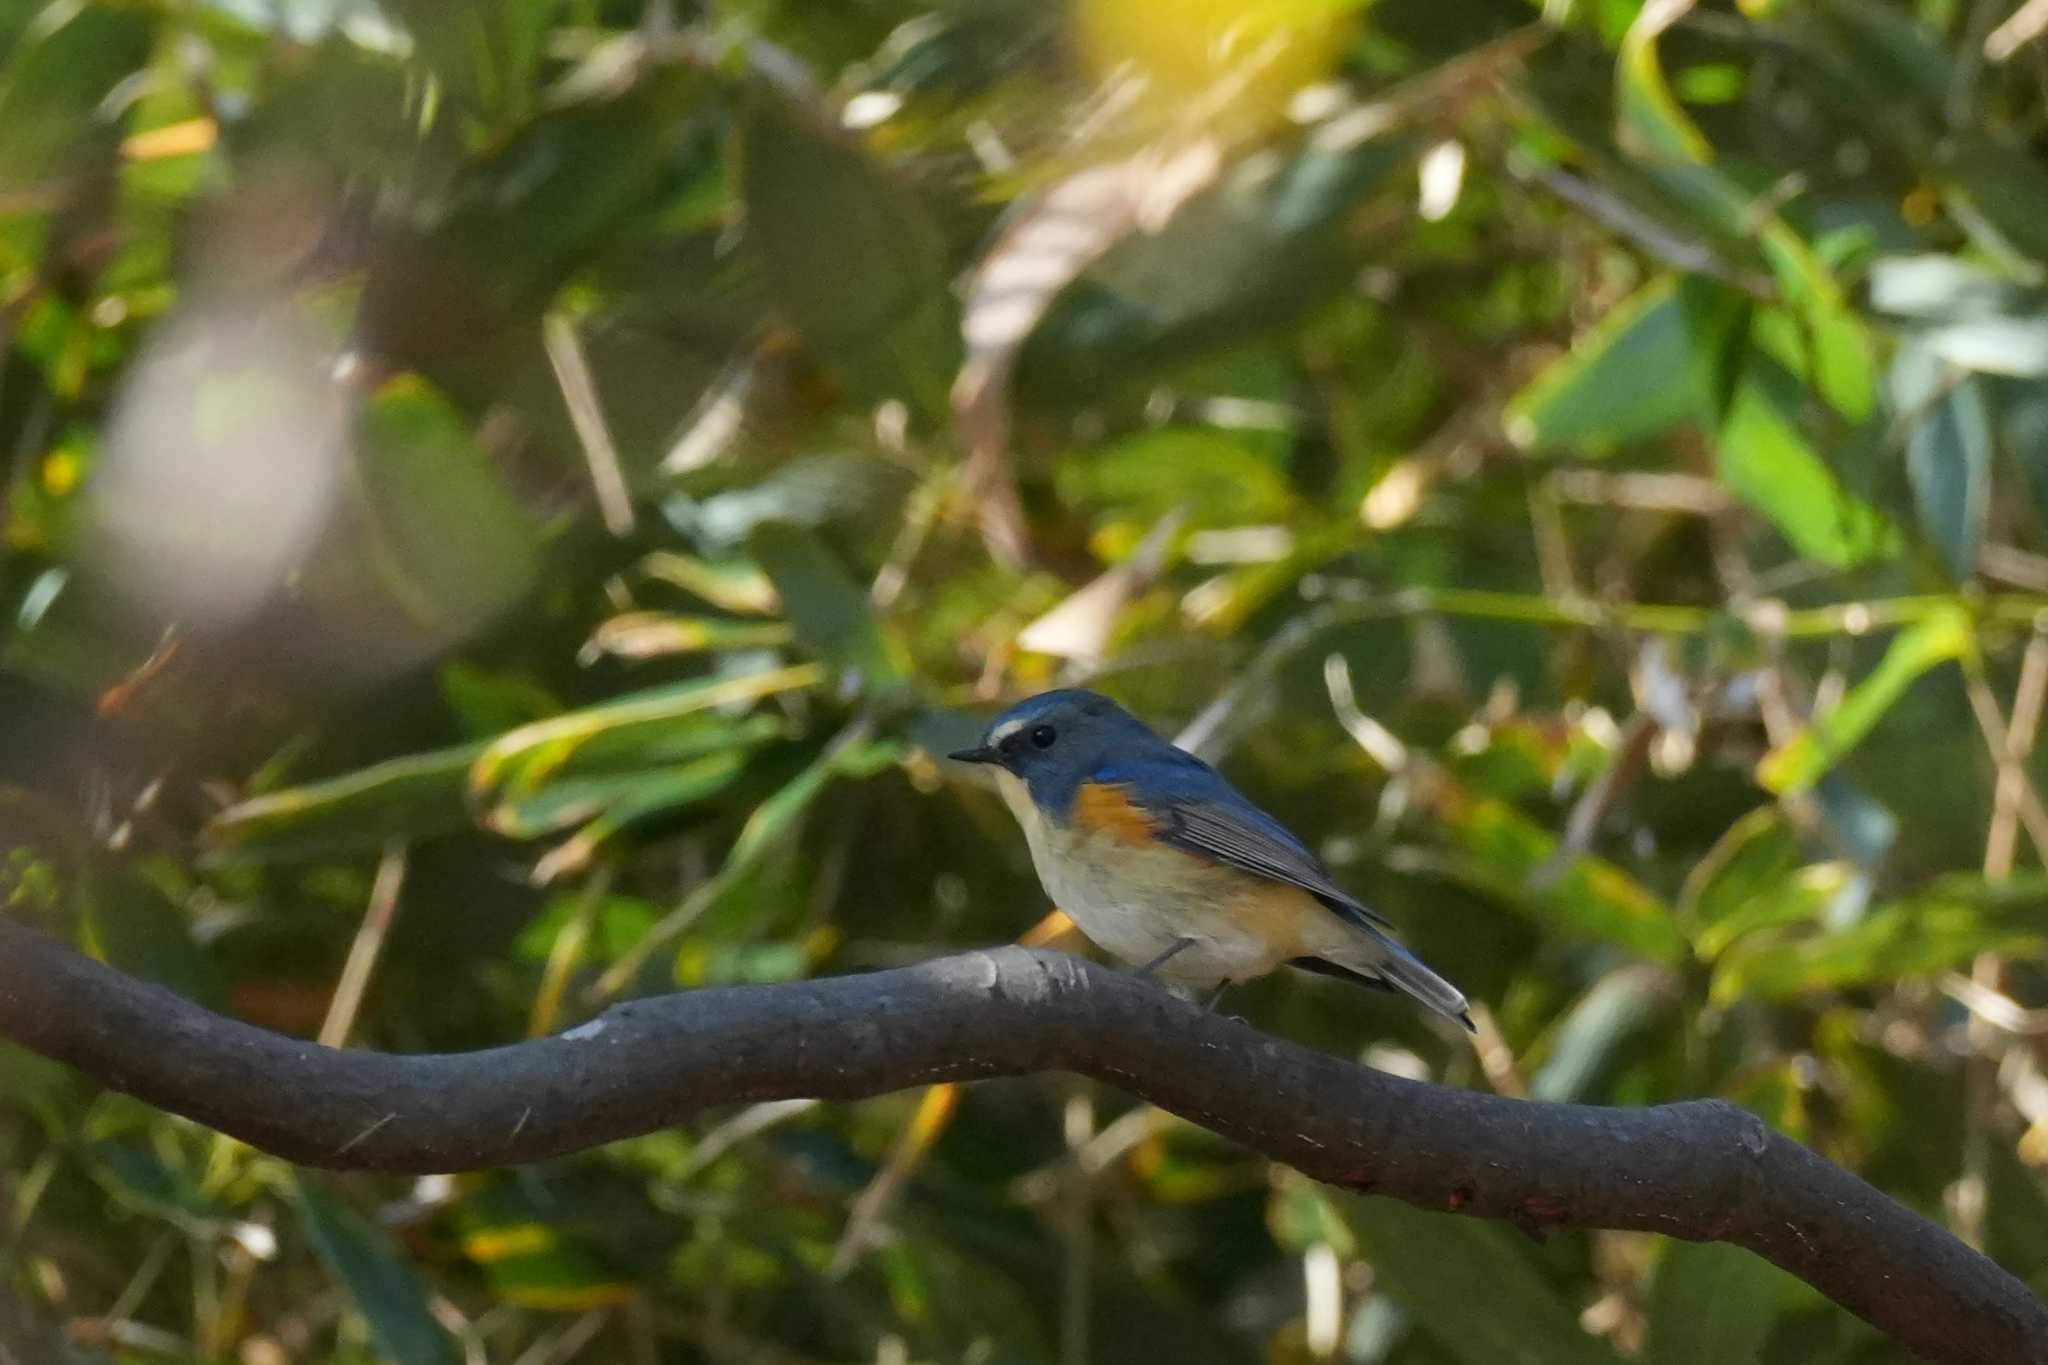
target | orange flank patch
x=1281, y=916
x=1107, y=808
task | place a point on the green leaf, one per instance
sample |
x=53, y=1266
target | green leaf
x=537, y=1265
x=1652, y=122
x=829, y=611
x=1622, y=1006
x=660, y=634
x=643, y=725
x=55, y=81
x=733, y=585
x=130, y=925
x=414, y=797
x=1830, y=347
x=421, y=473
x=1656, y=126
x=1967, y=315
x=1713, y=1305
x=1472, y=1289
x=47, y=1089
x=1768, y=462
x=1800, y=897
x=1798, y=763
x=570, y=184
x=618, y=797
x=2023, y=432
x=1215, y=475
x=485, y=54
x=1752, y=856
x=2003, y=190
x=386, y=1289
x=1939, y=931
x=139, y=1179
x=1948, y=454
x=1655, y=361
x=1302, y=1214
x=1253, y=252
x=853, y=259
x=1900, y=62
x=1592, y=897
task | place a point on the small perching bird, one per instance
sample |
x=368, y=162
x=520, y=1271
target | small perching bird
x=1165, y=864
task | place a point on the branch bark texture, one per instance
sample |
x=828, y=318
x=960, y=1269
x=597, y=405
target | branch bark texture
x=1701, y=1170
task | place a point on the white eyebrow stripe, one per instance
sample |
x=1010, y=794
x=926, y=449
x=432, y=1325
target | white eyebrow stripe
x=1005, y=730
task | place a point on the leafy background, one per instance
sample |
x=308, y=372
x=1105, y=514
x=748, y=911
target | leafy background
x=502, y=501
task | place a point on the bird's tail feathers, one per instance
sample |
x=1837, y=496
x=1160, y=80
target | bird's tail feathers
x=1406, y=973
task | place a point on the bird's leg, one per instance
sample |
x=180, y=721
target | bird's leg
x=1156, y=963
x=1209, y=1006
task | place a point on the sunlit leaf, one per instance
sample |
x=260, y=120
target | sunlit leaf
x=1592, y=898
x=1302, y=1214
x=417, y=796
x=1768, y=461
x=1657, y=360
x=1798, y=763
x=570, y=800
x=658, y=634
x=635, y=724
x=1939, y=931
x=1238, y=60
x=1653, y=122
x=731, y=585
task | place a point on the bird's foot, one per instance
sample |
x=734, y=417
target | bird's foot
x=1156, y=963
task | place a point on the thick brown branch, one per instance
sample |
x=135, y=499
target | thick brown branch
x=1702, y=1170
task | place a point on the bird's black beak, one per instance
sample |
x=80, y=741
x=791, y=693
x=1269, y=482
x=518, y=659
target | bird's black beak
x=981, y=753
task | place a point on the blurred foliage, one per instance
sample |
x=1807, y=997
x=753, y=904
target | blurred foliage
x=509, y=498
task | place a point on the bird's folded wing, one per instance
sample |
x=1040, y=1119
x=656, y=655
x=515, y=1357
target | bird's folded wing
x=1238, y=833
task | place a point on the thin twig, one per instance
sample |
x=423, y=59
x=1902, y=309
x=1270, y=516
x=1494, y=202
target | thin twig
x=579, y=395
x=567, y=951
x=750, y=1122
x=2002, y=842
x=1969, y=1195
x=2024, y=25
x=1077, y=1231
x=367, y=948
x=1997, y=738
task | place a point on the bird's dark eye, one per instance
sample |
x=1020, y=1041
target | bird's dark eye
x=1043, y=736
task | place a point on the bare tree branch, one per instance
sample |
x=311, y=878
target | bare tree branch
x=1701, y=1170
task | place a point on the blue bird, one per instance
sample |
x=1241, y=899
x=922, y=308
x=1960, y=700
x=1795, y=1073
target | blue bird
x=1163, y=863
